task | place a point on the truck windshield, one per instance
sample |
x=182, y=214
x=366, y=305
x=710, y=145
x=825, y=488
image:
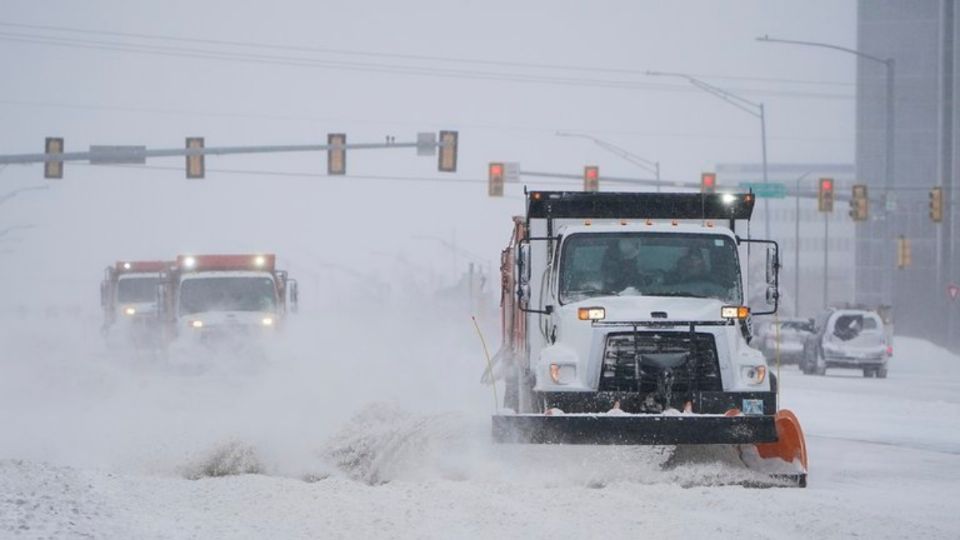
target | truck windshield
x=137, y=290
x=238, y=293
x=649, y=264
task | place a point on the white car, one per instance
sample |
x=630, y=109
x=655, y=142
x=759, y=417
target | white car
x=792, y=334
x=848, y=338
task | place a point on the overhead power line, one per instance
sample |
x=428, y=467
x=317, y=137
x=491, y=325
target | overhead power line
x=381, y=54
x=385, y=68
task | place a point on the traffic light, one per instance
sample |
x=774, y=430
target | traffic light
x=495, y=183
x=447, y=161
x=591, y=178
x=904, y=257
x=336, y=153
x=53, y=169
x=859, y=203
x=825, y=195
x=708, y=182
x=196, y=168
x=936, y=204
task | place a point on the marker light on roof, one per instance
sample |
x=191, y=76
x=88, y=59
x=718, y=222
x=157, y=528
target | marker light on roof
x=126, y=266
x=189, y=262
x=728, y=198
x=259, y=260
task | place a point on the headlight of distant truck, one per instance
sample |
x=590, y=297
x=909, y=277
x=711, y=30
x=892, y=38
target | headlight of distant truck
x=267, y=321
x=130, y=311
x=196, y=324
x=754, y=374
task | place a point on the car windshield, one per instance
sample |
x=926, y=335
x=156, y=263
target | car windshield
x=797, y=326
x=137, y=290
x=238, y=293
x=649, y=264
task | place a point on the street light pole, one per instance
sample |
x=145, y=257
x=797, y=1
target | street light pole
x=888, y=63
x=646, y=164
x=750, y=107
x=796, y=246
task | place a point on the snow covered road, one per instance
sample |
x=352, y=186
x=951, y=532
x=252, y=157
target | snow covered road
x=92, y=448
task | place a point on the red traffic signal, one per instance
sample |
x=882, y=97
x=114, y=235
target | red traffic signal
x=591, y=178
x=495, y=180
x=708, y=182
x=825, y=195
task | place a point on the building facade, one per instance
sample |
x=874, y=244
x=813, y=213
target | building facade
x=920, y=37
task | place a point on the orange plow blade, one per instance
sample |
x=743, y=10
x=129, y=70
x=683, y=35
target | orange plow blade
x=791, y=447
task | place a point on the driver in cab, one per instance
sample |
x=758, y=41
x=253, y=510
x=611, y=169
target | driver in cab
x=690, y=268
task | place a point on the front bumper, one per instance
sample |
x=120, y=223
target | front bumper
x=703, y=402
x=634, y=429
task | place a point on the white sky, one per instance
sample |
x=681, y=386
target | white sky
x=95, y=96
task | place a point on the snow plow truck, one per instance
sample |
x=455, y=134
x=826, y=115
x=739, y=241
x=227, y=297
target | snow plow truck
x=128, y=296
x=623, y=322
x=217, y=299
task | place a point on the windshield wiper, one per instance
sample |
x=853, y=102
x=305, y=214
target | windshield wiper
x=687, y=295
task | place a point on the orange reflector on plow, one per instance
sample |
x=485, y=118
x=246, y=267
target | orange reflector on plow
x=790, y=445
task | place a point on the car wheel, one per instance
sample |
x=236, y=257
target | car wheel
x=869, y=372
x=881, y=373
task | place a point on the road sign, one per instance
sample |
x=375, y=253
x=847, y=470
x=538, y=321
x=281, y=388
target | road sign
x=426, y=143
x=118, y=155
x=953, y=290
x=771, y=190
x=511, y=172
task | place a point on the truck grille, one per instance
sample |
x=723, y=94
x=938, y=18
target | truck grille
x=624, y=368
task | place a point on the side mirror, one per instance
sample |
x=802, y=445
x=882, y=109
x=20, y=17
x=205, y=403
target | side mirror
x=163, y=298
x=772, y=295
x=294, y=293
x=103, y=295
x=523, y=264
x=773, y=265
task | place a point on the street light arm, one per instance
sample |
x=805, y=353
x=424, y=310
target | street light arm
x=7, y=196
x=741, y=103
x=826, y=46
x=646, y=164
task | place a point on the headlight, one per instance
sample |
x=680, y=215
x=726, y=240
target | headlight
x=734, y=312
x=130, y=311
x=196, y=324
x=754, y=374
x=562, y=373
x=591, y=313
x=267, y=321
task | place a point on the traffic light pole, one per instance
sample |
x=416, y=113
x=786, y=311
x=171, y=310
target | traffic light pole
x=826, y=259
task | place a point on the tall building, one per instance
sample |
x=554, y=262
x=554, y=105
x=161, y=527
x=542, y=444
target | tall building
x=921, y=38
